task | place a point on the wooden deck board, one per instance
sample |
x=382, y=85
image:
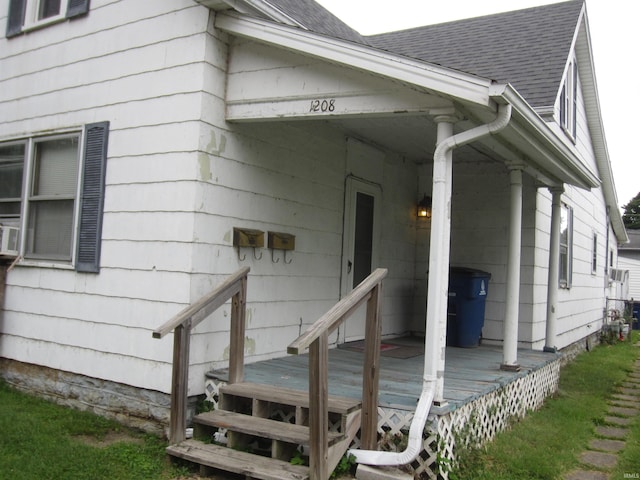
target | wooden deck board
x=469, y=373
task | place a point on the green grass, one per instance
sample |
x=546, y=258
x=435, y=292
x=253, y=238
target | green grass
x=546, y=443
x=42, y=440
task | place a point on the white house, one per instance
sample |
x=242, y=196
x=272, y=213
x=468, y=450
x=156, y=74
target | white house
x=137, y=137
x=629, y=259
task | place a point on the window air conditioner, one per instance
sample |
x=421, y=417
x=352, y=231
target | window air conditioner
x=9, y=237
x=617, y=275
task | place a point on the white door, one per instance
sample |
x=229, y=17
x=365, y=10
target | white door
x=360, y=244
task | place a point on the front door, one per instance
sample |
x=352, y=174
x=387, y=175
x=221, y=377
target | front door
x=360, y=244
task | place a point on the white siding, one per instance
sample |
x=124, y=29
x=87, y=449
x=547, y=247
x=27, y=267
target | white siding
x=631, y=261
x=140, y=66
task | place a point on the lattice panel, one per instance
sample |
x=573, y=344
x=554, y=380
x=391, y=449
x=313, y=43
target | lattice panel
x=472, y=424
x=212, y=391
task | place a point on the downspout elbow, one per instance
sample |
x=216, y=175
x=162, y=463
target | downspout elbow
x=463, y=138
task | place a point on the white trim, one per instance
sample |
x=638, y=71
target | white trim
x=31, y=21
x=467, y=87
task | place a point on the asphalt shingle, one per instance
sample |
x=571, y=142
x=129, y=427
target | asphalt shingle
x=317, y=19
x=527, y=48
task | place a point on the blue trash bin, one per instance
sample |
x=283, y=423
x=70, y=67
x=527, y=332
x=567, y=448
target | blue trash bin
x=465, y=316
x=636, y=314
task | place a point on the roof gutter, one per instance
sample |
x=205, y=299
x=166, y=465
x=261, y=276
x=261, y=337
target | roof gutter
x=438, y=268
x=258, y=8
x=534, y=129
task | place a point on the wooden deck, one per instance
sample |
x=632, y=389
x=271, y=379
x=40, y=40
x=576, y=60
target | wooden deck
x=469, y=372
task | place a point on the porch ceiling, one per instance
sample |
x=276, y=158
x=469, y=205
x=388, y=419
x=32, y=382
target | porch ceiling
x=383, y=99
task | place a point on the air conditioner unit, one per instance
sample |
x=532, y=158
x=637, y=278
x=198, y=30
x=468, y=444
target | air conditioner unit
x=9, y=239
x=617, y=275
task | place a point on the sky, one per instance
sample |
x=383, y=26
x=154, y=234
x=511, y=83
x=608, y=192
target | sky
x=615, y=38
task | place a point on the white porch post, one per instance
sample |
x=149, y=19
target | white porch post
x=554, y=265
x=438, y=288
x=510, y=332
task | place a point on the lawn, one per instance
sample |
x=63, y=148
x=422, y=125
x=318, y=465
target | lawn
x=46, y=441
x=546, y=443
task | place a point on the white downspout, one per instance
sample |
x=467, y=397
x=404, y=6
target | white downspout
x=434, y=348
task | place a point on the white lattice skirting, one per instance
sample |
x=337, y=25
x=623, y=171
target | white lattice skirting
x=473, y=423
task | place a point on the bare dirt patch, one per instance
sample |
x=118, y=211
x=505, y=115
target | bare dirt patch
x=109, y=439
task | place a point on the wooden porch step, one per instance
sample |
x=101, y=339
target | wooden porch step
x=286, y=396
x=260, y=427
x=235, y=461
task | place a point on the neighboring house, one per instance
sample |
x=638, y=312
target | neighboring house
x=629, y=259
x=136, y=136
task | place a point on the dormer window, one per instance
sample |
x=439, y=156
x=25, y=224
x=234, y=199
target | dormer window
x=569, y=100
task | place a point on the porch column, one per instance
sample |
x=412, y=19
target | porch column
x=554, y=266
x=438, y=288
x=510, y=333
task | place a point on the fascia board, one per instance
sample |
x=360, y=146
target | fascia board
x=586, y=71
x=439, y=80
x=252, y=7
x=532, y=124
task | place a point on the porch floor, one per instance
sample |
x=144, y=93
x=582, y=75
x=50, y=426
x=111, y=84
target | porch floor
x=469, y=372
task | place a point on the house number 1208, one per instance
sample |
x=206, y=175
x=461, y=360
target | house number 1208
x=323, y=105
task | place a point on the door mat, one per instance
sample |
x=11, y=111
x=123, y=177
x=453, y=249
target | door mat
x=386, y=349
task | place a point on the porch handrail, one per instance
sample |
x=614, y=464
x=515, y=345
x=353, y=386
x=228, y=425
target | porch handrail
x=235, y=287
x=316, y=339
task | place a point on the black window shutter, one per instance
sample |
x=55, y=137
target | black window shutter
x=15, y=19
x=92, y=197
x=77, y=7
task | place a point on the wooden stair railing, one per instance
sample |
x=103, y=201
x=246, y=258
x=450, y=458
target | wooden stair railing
x=235, y=287
x=316, y=339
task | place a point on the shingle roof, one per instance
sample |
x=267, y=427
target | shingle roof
x=527, y=48
x=317, y=19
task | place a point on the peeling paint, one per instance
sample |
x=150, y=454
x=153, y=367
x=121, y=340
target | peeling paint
x=204, y=164
x=249, y=348
x=227, y=237
x=214, y=147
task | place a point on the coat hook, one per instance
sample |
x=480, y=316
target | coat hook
x=254, y=254
x=285, y=258
x=274, y=260
x=239, y=257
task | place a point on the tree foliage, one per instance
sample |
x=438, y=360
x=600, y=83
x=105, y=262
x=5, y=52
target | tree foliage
x=631, y=215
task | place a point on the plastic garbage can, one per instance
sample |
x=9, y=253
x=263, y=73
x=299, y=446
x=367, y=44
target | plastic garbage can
x=465, y=316
x=636, y=315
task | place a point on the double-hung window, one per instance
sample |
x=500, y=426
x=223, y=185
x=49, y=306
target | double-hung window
x=569, y=100
x=51, y=198
x=25, y=15
x=566, y=246
x=52, y=189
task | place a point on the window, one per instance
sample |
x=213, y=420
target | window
x=594, y=254
x=58, y=211
x=569, y=100
x=52, y=198
x=28, y=14
x=11, y=171
x=566, y=246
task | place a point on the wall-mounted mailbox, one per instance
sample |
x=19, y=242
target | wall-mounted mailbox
x=247, y=237
x=281, y=241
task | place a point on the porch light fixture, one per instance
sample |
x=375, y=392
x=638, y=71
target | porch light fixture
x=424, y=207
